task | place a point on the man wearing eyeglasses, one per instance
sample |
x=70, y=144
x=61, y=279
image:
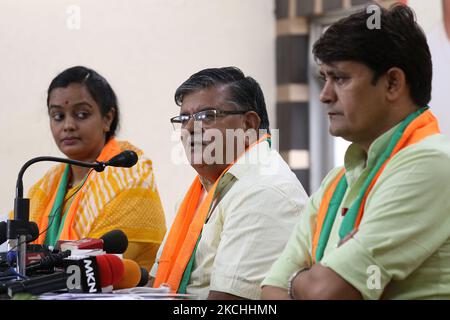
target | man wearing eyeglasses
x=239, y=211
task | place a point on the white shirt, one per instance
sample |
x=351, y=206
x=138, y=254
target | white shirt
x=261, y=200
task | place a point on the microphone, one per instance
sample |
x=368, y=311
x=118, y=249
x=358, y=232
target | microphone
x=127, y=159
x=115, y=241
x=3, y=237
x=87, y=274
x=111, y=269
x=31, y=229
x=48, y=262
x=34, y=255
x=134, y=276
x=112, y=242
x=94, y=274
x=34, y=252
x=144, y=277
x=38, y=285
x=16, y=228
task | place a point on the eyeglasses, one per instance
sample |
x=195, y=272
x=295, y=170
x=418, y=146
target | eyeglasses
x=206, y=117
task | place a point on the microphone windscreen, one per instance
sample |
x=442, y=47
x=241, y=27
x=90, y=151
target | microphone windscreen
x=33, y=231
x=127, y=159
x=3, y=235
x=111, y=269
x=115, y=241
x=131, y=276
x=144, y=278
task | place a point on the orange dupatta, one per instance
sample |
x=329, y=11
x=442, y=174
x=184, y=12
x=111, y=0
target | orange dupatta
x=186, y=230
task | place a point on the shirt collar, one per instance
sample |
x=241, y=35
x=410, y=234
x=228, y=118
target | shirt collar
x=356, y=157
x=251, y=160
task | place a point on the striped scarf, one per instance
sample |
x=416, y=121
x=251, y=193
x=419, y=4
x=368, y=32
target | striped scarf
x=95, y=202
x=416, y=127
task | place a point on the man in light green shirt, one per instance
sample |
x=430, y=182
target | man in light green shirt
x=375, y=80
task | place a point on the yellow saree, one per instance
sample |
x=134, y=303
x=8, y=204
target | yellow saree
x=118, y=198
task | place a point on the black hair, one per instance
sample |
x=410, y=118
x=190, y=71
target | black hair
x=98, y=88
x=243, y=91
x=399, y=42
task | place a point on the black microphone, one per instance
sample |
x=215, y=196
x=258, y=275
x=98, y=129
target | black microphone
x=48, y=262
x=115, y=241
x=144, y=278
x=125, y=159
x=112, y=242
x=35, y=253
x=90, y=274
x=32, y=231
x=3, y=236
x=38, y=285
x=17, y=228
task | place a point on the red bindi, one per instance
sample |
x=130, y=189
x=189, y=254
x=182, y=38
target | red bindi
x=66, y=102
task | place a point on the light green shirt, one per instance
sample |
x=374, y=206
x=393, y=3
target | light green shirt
x=402, y=247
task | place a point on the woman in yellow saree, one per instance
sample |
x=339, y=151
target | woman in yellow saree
x=71, y=202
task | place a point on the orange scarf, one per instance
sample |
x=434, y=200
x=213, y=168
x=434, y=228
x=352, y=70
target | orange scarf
x=421, y=127
x=111, y=149
x=185, y=232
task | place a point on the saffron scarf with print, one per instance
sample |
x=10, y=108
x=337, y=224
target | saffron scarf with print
x=413, y=129
x=179, y=249
x=117, y=198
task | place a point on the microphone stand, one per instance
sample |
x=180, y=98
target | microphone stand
x=17, y=229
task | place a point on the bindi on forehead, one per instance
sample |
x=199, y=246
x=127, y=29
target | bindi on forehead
x=66, y=102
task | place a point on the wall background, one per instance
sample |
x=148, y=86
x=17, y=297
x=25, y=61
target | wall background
x=428, y=13
x=144, y=48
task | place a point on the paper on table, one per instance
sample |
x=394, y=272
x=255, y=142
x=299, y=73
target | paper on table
x=137, y=293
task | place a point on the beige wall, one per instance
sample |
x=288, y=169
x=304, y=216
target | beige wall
x=145, y=48
x=428, y=13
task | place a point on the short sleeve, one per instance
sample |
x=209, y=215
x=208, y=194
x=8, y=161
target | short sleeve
x=297, y=253
x=406, y=220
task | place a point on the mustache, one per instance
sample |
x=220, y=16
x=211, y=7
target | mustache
x=197, y=138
